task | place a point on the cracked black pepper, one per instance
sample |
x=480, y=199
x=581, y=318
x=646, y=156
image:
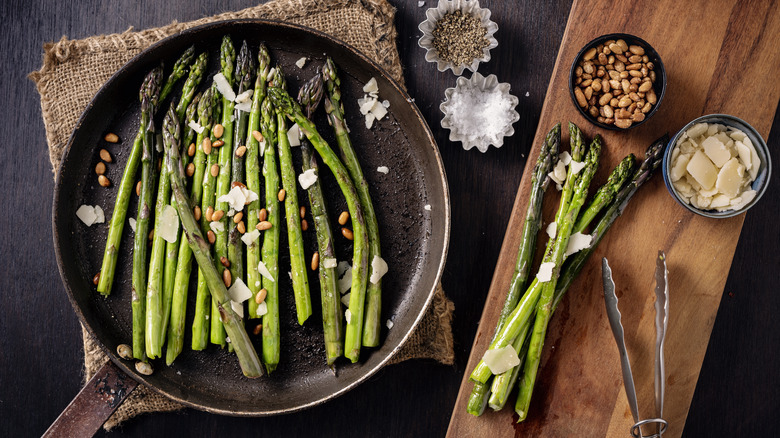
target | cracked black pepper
x=459, y=38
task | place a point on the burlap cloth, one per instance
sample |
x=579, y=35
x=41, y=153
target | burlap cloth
x=74, y=70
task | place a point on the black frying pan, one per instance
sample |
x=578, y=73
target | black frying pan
x=414, y=240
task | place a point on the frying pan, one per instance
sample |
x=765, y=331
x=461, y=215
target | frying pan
x=414, y=239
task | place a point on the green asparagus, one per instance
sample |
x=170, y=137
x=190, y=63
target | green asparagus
x=354, y=315
x=334, y=107
x=309, y=98
x=247, y=357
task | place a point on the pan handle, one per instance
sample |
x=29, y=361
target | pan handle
x=96, y=401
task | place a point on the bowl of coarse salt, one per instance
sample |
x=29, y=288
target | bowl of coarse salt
x=479, y=112
x=717, y=166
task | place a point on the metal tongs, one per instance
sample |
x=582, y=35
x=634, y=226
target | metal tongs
x=661, y=321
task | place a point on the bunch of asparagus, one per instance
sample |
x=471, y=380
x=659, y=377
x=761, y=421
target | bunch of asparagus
x=523, y=320
x=210, y=147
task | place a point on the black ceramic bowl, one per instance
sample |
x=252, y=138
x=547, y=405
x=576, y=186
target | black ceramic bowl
x=659, y=86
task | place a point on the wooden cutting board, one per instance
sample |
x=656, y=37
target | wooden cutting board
x=720, y=56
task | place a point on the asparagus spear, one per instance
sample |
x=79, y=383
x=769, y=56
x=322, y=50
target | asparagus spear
x=150, y=87
x=544, y=305
x=300, y=279
x=149, y=98
x=245, y=71
x=184, y=262
x=576, y=262
x=309, y=98
x=227, y=58
x=533, y=220
x=270, y=251
x=154, y=288
x=606, y=193
x=290, y=108
x=247, y=357
x=179, y=69
x=253, y=176
x=200, y=323
x=335, y=109
x=172, y=248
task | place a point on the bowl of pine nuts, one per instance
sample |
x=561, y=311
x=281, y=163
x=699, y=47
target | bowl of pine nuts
x=617, y=81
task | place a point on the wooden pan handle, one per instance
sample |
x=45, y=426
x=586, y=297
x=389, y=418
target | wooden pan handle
x=96, y=401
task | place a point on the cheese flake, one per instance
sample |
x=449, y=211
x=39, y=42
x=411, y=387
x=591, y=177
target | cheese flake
x=345, y=282
x=132, y=223
x=239, y=292
x=235, y=198
x=246, y=96
x=168, y=225
x=307, y=179
x=348, y=316
x=565, y=158
x=294, y=135
x=578, y=242
x=217, y=226
x=195, y=126
x=501, y=360
x=329, y=262
x=250, y=237
x=244, y=106
x=224, y=87
x=100, y=216
x=371, y=86
x=301, y=62
x=87, y=214
x=389, y=324
x=345, y=299
x=545, y=272
x=238, y=308
x=378, y=269
x=552, y=229
x=263, y=270
x=576, y=166
x=262, y=308
x=383, y=169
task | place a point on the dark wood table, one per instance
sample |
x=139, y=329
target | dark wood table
x=41, y=359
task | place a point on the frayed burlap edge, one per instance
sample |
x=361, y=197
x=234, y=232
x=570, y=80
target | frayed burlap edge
x=433, y=337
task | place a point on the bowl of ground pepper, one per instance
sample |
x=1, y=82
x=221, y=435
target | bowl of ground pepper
x=457, y=35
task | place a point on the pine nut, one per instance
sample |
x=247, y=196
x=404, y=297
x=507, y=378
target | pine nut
x=96, y=279
x=637, y=50
x=240, y=151
x=218, y=130
x=241, y=227
x=217, y=143
x=315, y=261
x=215, y=170
x=623, y=123
x=589, y=54
x=281, y=195
x=151, y=235
x=104, y=181
x=260, y=297
x=237, y=218
x=212, y=238
x=217, y=215
x=259, y=137
x=263, y=225
x=262, y=214
x=237, y=184
x=191, y=150
x=105, y=156
x=111, y=138
x=225, y=262
x=346, y=232
x=196, y=212
x=227, y=278
x=257, y=328
x=303, y=211
x=209, y=213
x=304, y=225
x=191, y=169
x=100, y=168
x=206, y=145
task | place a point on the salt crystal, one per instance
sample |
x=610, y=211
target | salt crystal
x=478, y=114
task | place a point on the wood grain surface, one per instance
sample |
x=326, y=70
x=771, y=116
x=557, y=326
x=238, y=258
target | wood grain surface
x=41, y=360
x=580, y=390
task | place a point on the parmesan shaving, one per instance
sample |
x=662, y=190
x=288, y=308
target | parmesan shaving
x=132, y=224
x=246, y=96
x=262, y=309
x=348, y=316
x=378, y=269
x=383, y=169
x=565, y=158
x=307, y=179
x=100, y=216
x=578, y=242
x=261, y=268
x=301, y=62
x=168, y=227
x=389, y=324
x=244, y=106
x=235, y=198
x=371, y=86
x=501, y=359
x=224, y=87
x=552, y=229
x=427, y=207
x=238, y=308
x=87, y=214
x=345, y=299
x=217, y=226
x=195, y=126
x=239, y=292
x=329, y=262
x=576, y=166
x=294, y=135
x=345, y=282
x=250, y=237
x=545, y=272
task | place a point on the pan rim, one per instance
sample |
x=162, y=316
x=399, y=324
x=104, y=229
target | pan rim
x=431, y=142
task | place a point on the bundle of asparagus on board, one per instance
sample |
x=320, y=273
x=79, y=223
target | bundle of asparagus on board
x=513, y=357
x=211, y=203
